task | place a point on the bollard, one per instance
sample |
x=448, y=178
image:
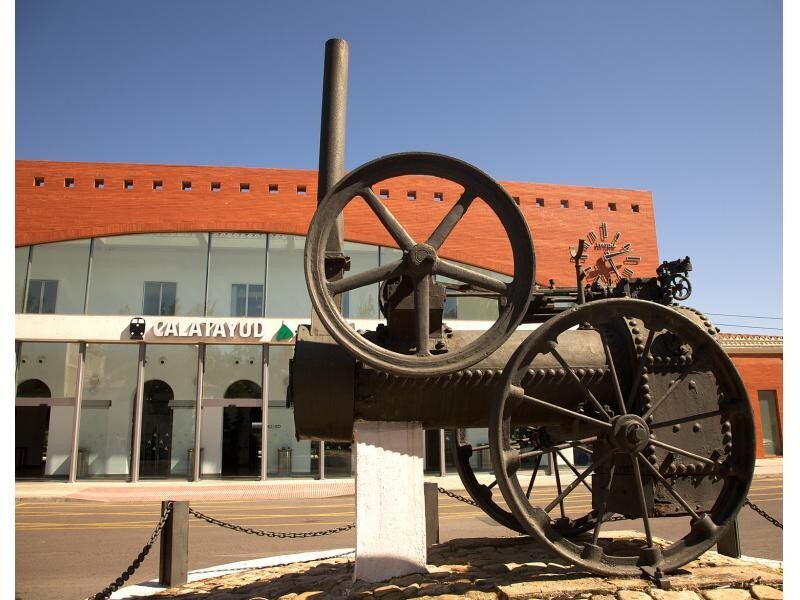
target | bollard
x=173, y=567
x=431, y=513
x=729, y=543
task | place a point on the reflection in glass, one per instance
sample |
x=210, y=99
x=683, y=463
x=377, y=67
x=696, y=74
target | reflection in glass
x=57, y=282
x=109, y=389
x=121, y=266
x=43, y=431
x=236, y=275
x=287, y=294
x=167, y=439
x=770, y=431
x=286, y=456
x=361, y=303
x=230, y=439
x=20, y=268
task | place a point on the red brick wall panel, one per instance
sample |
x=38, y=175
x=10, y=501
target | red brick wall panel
x=54, y=213
x=761, y=372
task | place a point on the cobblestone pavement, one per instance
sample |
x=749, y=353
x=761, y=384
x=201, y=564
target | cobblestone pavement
x=488, y=569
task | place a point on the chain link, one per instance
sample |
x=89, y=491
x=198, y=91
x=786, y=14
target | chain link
x=272, y=534
x=763, y=513
x=457, y=497
x=120, y=581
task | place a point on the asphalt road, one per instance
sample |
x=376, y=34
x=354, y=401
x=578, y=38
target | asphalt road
x=68, y=550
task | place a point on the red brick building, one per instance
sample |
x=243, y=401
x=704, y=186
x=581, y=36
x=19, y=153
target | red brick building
x=88, y=262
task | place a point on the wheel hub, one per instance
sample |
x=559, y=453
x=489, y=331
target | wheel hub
x=629, y=433
x=421, y=258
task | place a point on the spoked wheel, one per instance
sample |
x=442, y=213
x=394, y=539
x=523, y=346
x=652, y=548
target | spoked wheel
x=420, y=355
x=672, y=436
x=523, y=439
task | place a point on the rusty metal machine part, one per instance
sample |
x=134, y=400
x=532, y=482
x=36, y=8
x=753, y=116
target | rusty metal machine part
x=672, y=436
x=423, y=351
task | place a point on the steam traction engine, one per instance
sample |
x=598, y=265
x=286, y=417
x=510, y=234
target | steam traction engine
x=621, y=373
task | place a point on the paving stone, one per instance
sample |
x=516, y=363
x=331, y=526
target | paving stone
x=632, y=595
x=726, y=594
x=673, y=595
x=478, y=595
x=385, y=590
x=765, y=592
x=601, y=597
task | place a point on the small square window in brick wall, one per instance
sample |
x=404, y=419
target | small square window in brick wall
x=612, y=206
x=540, y=202
x=515, y=199
x=69, y=182
x=273, y=188
x=158, y=184
x=635, y=207
x=99, y=184
x=565, y=204
x=588, y=205
x=384, y=194
x=216, y=186
x=412, y=195
x=244, y=187
x=38, y=181
x=186, y=186
x=128, y=184
x=438, y=196
x=301, y=189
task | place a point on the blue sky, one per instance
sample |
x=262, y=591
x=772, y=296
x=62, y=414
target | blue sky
x=680, y=98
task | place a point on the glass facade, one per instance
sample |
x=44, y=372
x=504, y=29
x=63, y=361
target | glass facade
x=770, y=430
x=45, y=408
x=106, y=419
x=150, y=390
x=131, y=276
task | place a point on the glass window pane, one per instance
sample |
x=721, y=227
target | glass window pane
x=287, y=294
x=34, y=302
x=255, y=300
x=20, y=268
x=122, y=264
x=43, y=434
x=168, y=402
x=286, y=456
x=230, y=440
x=109, y=389
x=472, y=308
x=152, y=298
x=66, y=264
x=770, y=432
x=237, y=259
x=361, y=303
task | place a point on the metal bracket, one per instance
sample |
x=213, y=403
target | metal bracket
x=657, y=576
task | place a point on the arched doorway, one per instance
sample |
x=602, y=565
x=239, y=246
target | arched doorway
x=241, y=430
x=31, y=425
x=156, y=445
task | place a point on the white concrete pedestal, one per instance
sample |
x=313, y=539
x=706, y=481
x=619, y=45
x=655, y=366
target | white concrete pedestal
x=390, y=500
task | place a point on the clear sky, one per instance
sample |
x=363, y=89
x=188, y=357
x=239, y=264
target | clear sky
x=681, y=98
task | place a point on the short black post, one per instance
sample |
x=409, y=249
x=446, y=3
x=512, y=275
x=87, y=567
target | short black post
x=173, y=567
x=729, y=543
x=431, y=513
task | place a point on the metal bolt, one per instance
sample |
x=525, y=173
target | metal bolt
x=697, y=427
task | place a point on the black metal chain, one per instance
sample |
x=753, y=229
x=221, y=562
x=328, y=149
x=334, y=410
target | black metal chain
x=457, y=497
x=763, y=513
x=120, y=581
x=273, y=534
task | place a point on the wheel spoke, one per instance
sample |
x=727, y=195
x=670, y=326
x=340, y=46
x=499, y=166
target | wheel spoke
x=422, y=310
x=560, y=499
x=561, y=495
x=533, y=476
x=668, y=487
x=459, y=273
x=601, y=511
x=614, y=377
x=481, y=447
x=586, y=392
x=368, y=277
x=556, y=448
x=639, y=368
x=686, y=453
x=687, y=369
x=491, y=485
x=574, y=470
x=637, y=476
x=451, y=219
x=681, y=420
x=564, y=411
x=400, y=235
